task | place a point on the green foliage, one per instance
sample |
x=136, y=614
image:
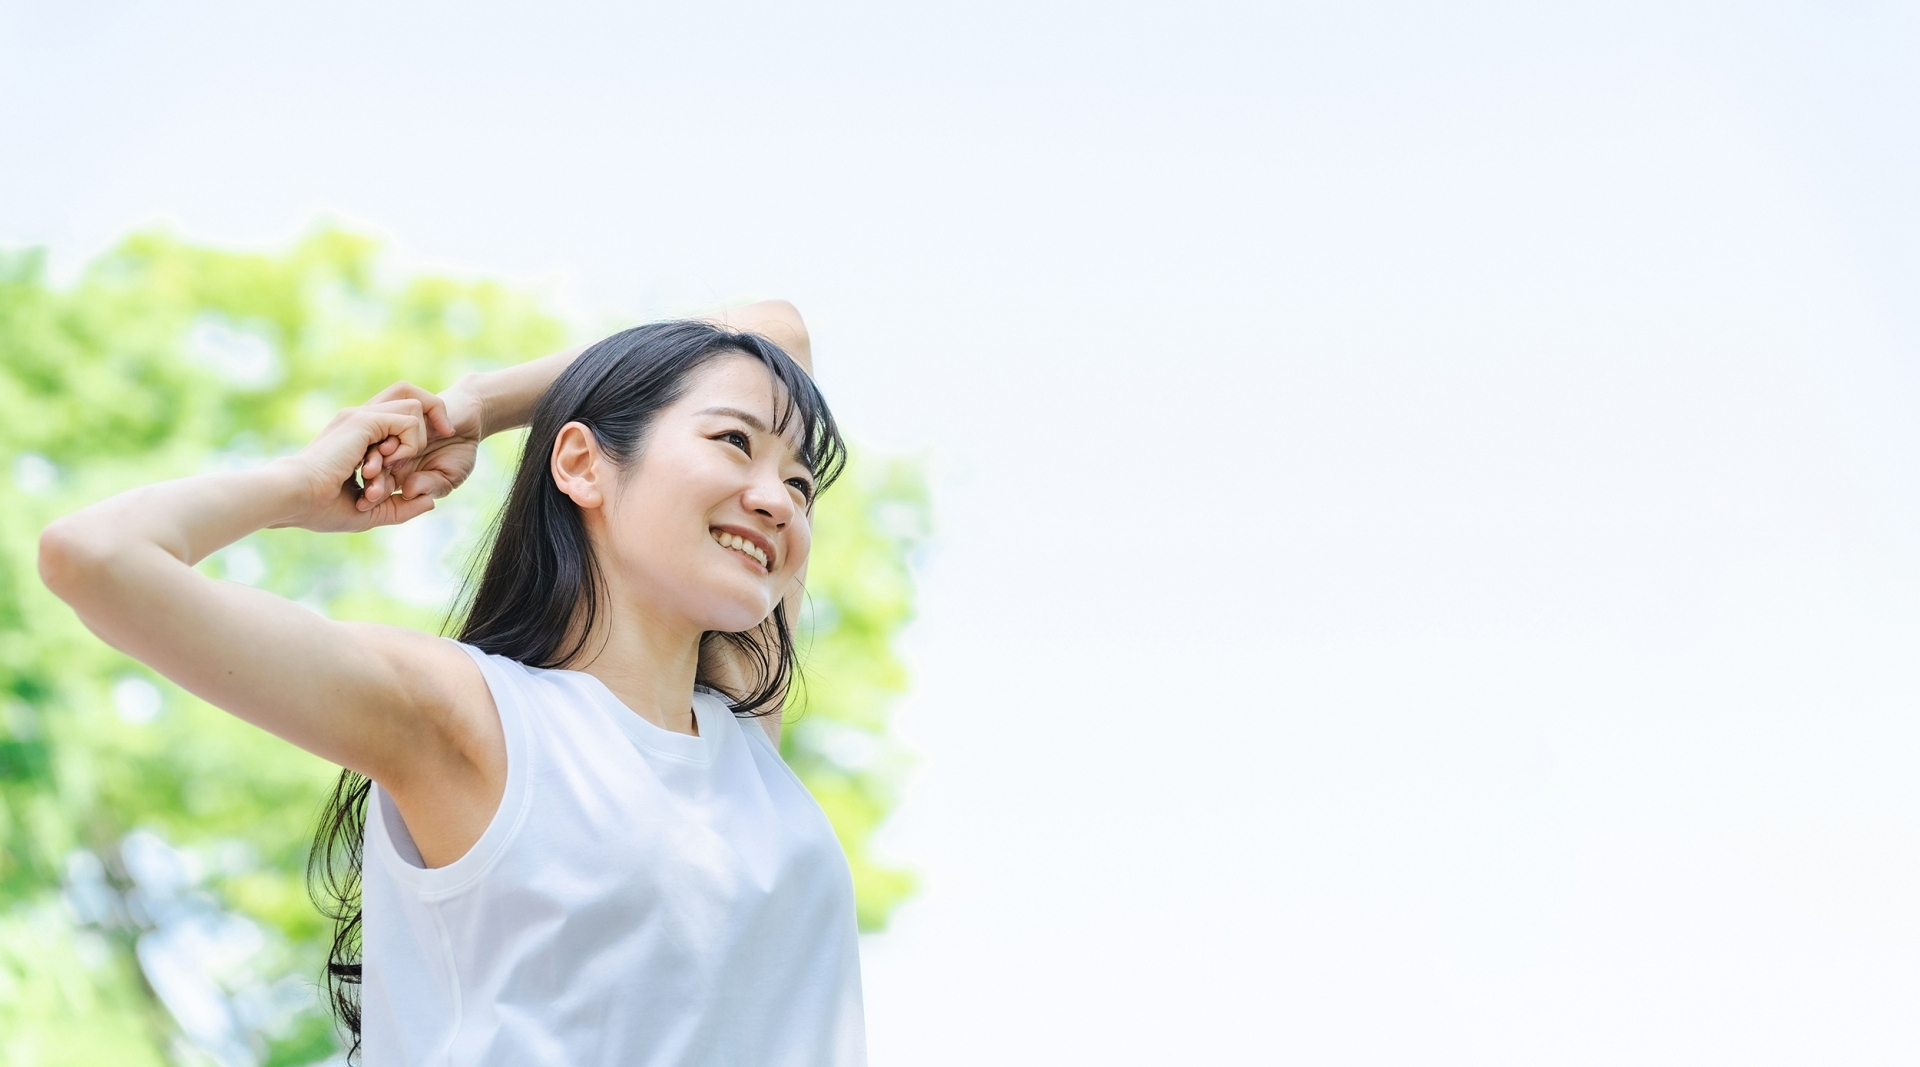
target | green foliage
x=859, y=595
x=69, y=997
x=168, y=359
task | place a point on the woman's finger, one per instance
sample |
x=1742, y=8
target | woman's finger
x=376, y=490
x=432, y=408
x=397, y=419
x=377, y=461
x=397, y=509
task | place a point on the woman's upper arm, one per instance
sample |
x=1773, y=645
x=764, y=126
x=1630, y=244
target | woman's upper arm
x=381, y=700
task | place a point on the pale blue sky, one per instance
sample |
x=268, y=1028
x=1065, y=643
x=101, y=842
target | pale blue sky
x=1428, y=566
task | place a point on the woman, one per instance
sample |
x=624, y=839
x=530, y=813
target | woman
x=580, y=843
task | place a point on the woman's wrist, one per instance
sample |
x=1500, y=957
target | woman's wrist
x=286, y=491
x=467, y=407
x=504, y=399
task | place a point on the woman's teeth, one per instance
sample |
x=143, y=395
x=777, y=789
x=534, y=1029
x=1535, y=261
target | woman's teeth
x=740, y=544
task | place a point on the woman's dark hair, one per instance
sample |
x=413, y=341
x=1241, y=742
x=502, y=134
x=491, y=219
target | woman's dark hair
x=540, y=590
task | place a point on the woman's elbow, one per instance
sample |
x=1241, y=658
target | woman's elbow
x=70, y=559
x=796, y=341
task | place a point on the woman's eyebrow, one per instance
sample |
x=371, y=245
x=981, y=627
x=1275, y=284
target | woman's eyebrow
x=750, y=420
x=754, y=421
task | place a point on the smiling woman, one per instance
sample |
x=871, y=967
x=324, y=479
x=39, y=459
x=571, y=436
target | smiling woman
x=571, y=830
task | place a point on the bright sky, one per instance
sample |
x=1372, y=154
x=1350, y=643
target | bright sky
x=1428, y=564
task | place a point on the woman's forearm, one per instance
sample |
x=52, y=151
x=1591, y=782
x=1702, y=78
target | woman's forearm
x=188, y=519
x=192, y=518
x=503, y=399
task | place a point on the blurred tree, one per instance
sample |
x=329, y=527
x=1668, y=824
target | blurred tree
x=165, y=359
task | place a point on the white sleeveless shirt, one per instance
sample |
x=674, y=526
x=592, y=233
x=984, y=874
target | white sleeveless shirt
x=642, y=897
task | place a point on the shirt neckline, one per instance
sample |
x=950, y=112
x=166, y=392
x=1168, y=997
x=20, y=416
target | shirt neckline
x=659, y=739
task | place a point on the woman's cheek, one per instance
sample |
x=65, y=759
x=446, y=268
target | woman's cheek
x=802, y=548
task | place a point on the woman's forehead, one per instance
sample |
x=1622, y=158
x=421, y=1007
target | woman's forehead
x=738, y=382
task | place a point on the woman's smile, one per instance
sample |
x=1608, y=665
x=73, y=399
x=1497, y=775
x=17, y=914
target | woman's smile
x=753, y=548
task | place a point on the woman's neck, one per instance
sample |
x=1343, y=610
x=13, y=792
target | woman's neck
x=651, y=668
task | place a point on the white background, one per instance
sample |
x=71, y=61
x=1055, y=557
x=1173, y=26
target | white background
x=1427, y=569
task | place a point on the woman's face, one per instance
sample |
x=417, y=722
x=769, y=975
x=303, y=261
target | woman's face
x=709, y=527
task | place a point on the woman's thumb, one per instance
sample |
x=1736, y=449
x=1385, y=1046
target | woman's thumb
x=426, y=483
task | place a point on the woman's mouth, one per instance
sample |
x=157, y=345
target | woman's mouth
x=743, y=546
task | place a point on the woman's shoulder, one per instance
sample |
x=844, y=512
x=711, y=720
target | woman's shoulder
x=549, y=699
x=761, y=727
x=515, y=686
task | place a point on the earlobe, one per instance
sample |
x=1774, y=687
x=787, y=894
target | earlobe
x=576, y=464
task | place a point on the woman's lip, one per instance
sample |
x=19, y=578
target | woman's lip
x=765, y=545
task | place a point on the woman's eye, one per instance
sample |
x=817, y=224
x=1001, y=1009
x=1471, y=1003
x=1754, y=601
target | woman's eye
x=805, y=487
x=738, y=440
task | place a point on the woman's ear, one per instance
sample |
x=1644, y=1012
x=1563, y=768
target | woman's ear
x=579, y=467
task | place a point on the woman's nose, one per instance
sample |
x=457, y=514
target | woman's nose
x=769, y=497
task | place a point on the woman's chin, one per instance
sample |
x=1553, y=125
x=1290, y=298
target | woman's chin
x=738, y=615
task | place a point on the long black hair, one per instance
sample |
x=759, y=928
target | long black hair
x=540, y=589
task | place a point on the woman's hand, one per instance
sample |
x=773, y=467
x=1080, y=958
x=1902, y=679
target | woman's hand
x=437, y=469
x=333, y=500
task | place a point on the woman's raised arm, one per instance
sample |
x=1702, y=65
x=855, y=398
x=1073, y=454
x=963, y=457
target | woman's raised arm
x=487, y=402
x=382, y=700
